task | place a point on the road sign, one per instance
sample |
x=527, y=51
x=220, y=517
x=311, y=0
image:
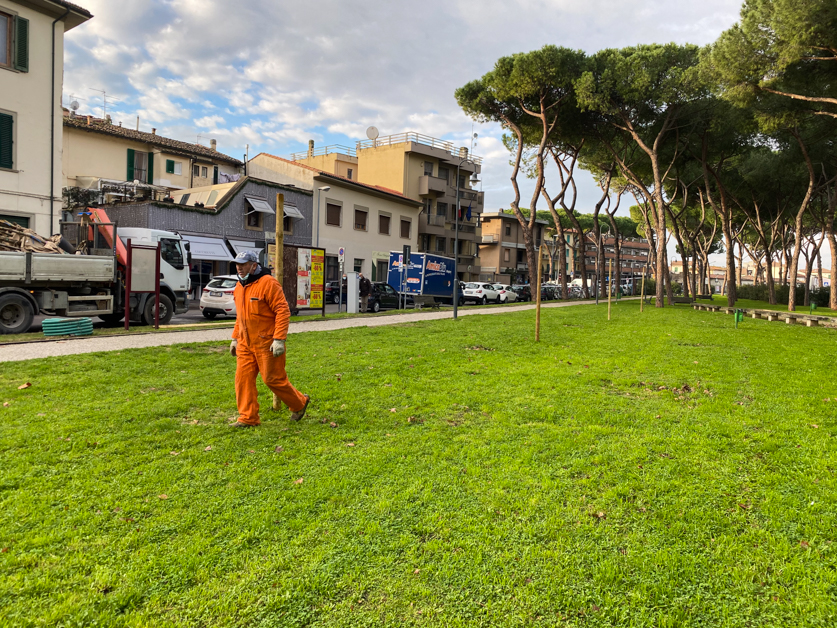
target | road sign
x=341, y=253
x=407, y=253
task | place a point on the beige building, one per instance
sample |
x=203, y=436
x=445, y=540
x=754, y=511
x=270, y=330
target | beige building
x=502, y=250
x=368, y=221
x=424, y=169
x=31, y=80
x=102, y=155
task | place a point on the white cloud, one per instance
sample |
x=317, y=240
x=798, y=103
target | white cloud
x=286, y=71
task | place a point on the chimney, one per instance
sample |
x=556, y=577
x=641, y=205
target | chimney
x=153, y=131
x=89, y=120
x=213, y=144
x=310, y=148
x=109, y=119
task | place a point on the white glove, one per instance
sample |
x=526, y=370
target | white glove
x=278, y=348
x=233, y=346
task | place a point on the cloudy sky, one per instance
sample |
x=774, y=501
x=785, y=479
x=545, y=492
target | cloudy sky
x=274, y=73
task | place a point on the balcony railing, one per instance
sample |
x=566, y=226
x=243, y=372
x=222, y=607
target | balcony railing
x=324, y=150
x=490, y=238
x=437, y=221
x=522, y=266
x=418, y=138
x=430, y=185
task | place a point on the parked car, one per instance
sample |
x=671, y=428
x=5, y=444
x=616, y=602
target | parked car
x=524, y=293
x=332, y=295
x=383, y=297
x=480, y=293
x=217, y=297
x=507, y=295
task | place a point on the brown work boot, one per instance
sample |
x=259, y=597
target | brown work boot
x=242, y=425
x=297, y=416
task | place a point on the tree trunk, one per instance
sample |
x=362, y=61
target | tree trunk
x=740, y=264
x=732, y=294
x=820, y=283
x=832, y=293
x=771, y=285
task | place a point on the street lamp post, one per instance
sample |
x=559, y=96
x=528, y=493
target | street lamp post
x=474, y=179
x=325, y=188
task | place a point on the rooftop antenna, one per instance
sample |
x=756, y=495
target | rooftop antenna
x=105, y=100
x=200, y=137
x=372, y=134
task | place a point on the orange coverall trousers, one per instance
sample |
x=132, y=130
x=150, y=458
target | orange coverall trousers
x=262, y=315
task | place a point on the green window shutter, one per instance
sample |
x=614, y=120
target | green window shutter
x=130, y=175
x=169, y=166
x=21, y=47
x=6, y=141
x=150, y=168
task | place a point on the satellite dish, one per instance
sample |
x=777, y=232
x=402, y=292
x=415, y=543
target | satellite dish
x=74, y=105
x=372, y=133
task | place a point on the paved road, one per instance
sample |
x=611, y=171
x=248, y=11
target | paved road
x=56, y=348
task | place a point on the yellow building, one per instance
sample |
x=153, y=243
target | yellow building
x=99, y=154
x=31, y=81
x=424, y=169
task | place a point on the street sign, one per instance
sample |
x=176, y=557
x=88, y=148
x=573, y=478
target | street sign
x=341, y=253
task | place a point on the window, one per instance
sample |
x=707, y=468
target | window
x=440, y=245
x=288, y=225
x=443, y=174
x=506, y=254
x=360, y=219
x=428, y=168
x=212, y=196
x=441, y=209
x=333, y=214
x=184, y=199
x=358, y=265
x=349, y=174
x=174, y=167
x=462, y=180
x=521, y=256
x=204, y=172
x=383, y=224
x=196, y=171
x=6, y=40
x=23, y=221
x=7, y=137
x=428, y=205
x=171, y=252
x=254, y=220
x=14, y=42
x=405, y=228
x=508, y=230
x=140, y=167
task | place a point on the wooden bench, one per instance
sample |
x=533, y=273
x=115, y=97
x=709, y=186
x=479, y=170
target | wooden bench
x=706, y=306
x=790, y=318
x=421, y=302
x=705, y=297
x=688, y=300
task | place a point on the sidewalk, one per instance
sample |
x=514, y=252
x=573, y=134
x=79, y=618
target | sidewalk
x=34, y=351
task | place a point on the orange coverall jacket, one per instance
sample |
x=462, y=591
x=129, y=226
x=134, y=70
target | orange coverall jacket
x=262, y=315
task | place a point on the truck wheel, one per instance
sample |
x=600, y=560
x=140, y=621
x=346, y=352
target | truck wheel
x=16, y=314
x=461, y=301
x=166, y=310
x=112, y=319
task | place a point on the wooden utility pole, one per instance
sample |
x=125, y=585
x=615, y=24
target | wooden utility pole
x=279, y=260
x=538, y=303
x=609, y=286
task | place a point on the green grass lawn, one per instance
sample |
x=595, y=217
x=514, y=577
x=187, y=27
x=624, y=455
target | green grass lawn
x=764, y=305
x=659, y=470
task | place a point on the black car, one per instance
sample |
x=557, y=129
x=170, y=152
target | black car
x=524, y=293
x=384, y=296
x=332, y=295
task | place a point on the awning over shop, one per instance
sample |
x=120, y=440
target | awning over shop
x=242, y=245
x=292, y=212
x=259, y=205
x=211, y=249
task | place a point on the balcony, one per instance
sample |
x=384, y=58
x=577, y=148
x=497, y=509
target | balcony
x=522, y=266
x=490, y=238
x=436, y=220
x=432, y=186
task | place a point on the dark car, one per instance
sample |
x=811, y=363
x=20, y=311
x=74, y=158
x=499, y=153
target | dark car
x=384, y=297
x=332, y=295
x=524, y=293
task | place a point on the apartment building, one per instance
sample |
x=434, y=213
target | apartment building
x=31, y=81
x=117, y=161
x=427, y=170
x=502, y=250
x=367, y=221
x=633, y=257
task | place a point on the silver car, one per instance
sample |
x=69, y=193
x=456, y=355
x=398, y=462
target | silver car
x=507, y=295
x=480, y=293
x=217, y=297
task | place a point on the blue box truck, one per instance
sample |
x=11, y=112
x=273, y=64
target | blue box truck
x=425, y=275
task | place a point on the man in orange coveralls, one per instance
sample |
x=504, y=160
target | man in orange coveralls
x=261, y=326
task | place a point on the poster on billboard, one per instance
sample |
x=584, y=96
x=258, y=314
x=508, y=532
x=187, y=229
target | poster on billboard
x=310, y=275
